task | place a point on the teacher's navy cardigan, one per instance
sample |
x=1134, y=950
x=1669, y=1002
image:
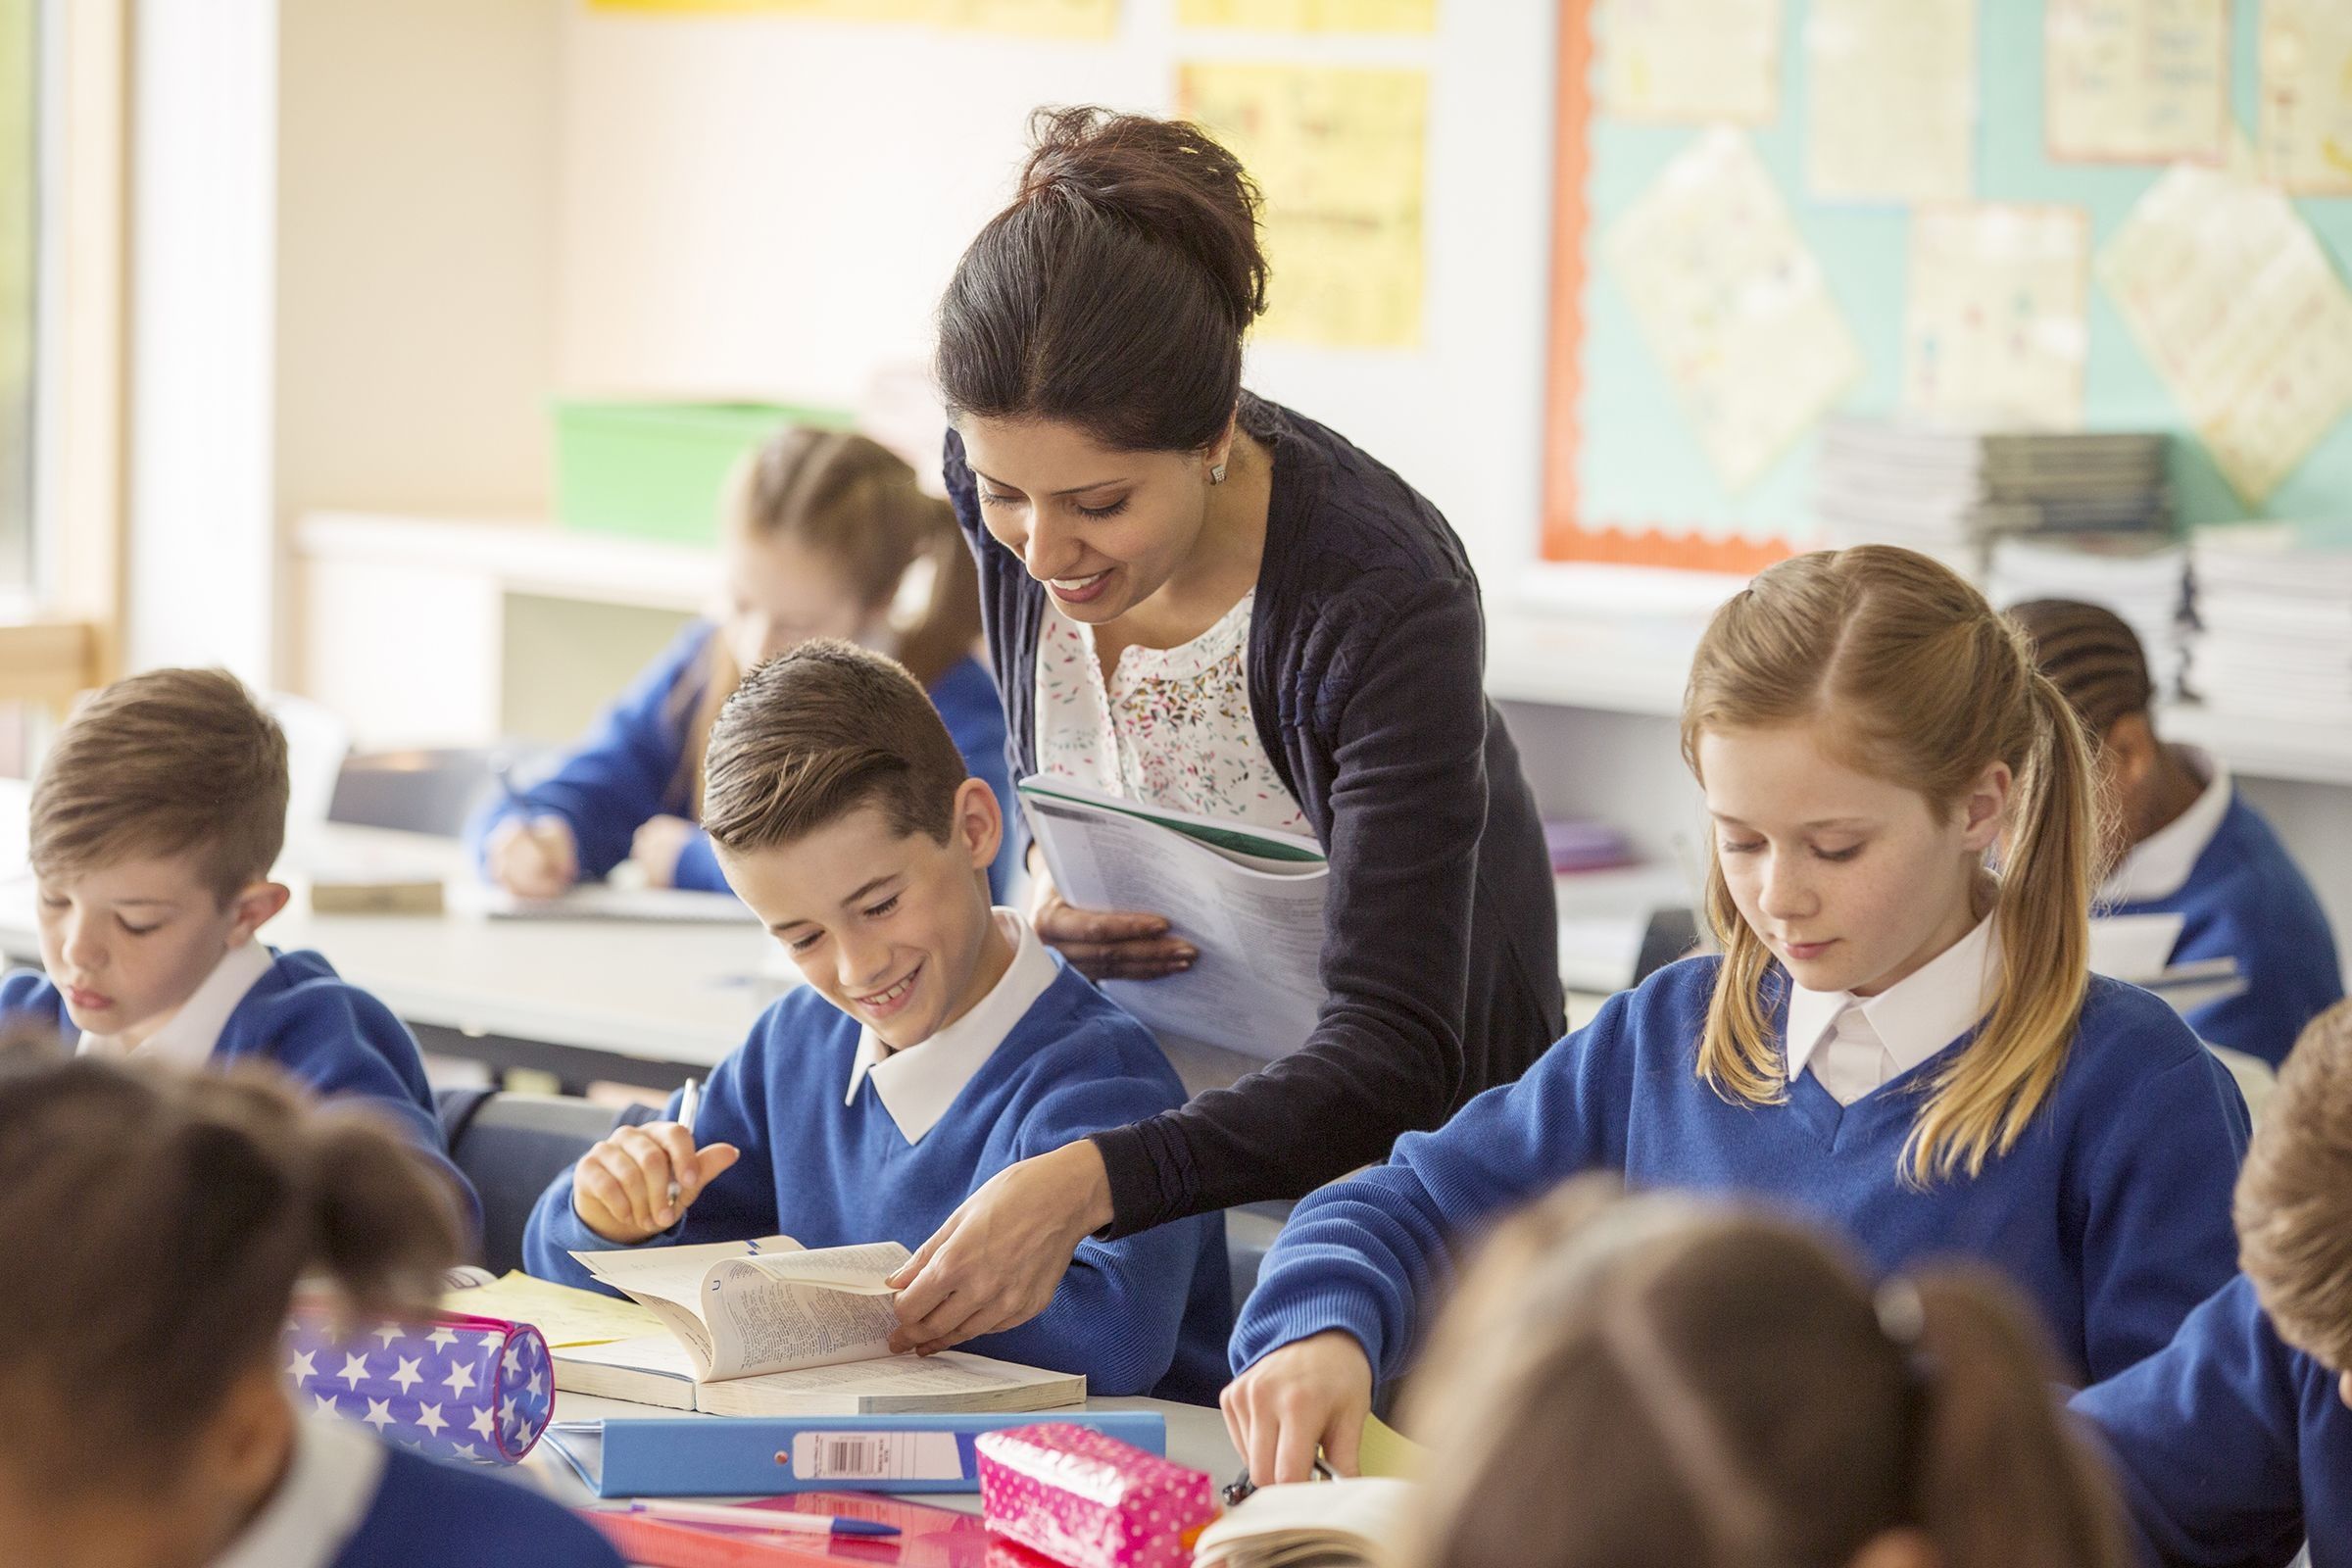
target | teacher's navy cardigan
x=1440, y=960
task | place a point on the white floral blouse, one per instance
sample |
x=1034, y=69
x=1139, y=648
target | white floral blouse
x=1173, y=728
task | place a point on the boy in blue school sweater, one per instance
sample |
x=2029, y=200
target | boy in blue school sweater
x=154, y=825
x=937, y=1041
x=2183, y=840
x=2235, y=1443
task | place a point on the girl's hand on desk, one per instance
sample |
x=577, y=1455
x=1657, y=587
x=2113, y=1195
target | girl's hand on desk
x=620, y=1188
x=1105, y=945
x=998, y=1260
x=533, y=858
x=1311, y=1393
x=656, y=846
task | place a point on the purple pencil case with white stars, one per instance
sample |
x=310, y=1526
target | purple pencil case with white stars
x=450, y=1386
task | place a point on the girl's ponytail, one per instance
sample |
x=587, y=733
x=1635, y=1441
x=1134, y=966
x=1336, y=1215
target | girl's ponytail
x=1998, y=1481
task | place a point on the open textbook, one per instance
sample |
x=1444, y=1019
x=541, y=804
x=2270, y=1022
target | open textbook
x=2138, y=948
x=1249, y=899
x=1310, y=1523
x=767, y=1328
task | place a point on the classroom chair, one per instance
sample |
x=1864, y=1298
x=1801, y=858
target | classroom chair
x=510, y=1146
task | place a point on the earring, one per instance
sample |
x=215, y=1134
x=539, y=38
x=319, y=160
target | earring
x=1216, y=473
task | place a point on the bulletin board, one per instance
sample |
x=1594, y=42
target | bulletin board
x=1641, y=469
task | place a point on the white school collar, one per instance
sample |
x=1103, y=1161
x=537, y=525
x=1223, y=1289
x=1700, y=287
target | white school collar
x=188, y=1036
x=2158, y=866
x=331, y=1482
x=918, y=1083
x=1915, y=1018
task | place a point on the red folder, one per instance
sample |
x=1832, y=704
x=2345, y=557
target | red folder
x=928, y=1537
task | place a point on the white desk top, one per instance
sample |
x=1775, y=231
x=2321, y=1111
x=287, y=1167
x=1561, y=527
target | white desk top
x=663, y=992
x=1196, y=1437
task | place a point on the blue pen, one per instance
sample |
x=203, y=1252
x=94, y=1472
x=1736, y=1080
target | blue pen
x=723, y=1513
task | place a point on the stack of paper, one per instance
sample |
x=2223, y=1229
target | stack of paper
x=2141, y=577
x=2273, y=614
x=1950, y=491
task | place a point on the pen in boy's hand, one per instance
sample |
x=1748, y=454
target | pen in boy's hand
x=689, y=1102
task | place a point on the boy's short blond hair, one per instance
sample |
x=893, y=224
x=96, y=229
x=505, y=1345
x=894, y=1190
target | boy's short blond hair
x=815, y=733
x=2294, y=1195
x=168, y=762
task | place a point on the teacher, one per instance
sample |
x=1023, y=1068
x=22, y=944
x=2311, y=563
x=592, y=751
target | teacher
x=1198, y=599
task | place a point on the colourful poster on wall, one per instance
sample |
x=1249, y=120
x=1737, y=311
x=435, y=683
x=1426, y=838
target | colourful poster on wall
x=2143, y=81
x=1890, y=102
x=1732, y=304
x=1994, y=314
x=1692, y=61
x=1051, y=19
x=2235, y=305
x=2306, y=129
x=1310, y=16
x=1338, y=153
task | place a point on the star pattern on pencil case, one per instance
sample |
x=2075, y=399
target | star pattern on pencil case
x=474, y=1391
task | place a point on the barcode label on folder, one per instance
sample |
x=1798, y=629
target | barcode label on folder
x=876, y=1457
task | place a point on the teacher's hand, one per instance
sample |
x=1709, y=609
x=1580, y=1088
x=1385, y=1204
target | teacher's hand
x=1002, y=1254
x=1103, y=944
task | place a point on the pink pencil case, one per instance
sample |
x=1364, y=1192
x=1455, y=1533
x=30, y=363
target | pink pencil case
x=1086, y=1501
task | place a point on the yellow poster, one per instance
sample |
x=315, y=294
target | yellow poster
x=2307, y=96
x=1338, y=153
x=2233, y=300
x=1057, y=19
x=2136, y=80
x=1890, y=100
x=1310, y=16
x=1694, y=62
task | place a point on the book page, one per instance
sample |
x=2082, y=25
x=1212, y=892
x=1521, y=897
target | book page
x=668, y=1282
x=562, y=1314
x=760, y=1323
x=860, y=1270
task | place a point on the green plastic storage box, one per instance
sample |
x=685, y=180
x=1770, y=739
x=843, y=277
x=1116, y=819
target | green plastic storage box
x=656, y=470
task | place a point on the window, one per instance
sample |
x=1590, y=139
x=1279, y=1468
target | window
x=21, y=153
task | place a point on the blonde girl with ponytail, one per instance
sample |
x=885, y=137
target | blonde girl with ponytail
x=1729, y=1391
x=156, y=1221
x=1901, y=1037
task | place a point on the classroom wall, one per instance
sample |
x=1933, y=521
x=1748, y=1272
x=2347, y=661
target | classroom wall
x=766, y=205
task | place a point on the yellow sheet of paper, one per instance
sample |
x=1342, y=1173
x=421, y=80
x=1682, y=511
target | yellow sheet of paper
x=1697, y=61
x=1732, y=304
x=1890, y=104
x=1992, y=316
x=1310, y=16
x=1059, y=18
x=2237, y=306
x=563, y=1315
x=1338, y=153
x=2136, y=80
x=2305, y=57
x=1385, y=1451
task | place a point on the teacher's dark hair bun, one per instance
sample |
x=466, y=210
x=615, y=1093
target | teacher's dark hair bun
x=1114, y=292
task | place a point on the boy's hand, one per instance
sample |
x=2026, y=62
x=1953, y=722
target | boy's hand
x=656, y=846
x=620, y=1188
x=1312, y=1393
x=533, y=858
x=1105, y=945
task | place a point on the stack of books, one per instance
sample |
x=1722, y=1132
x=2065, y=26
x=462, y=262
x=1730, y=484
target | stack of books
x=2141, y=577
x=1949, y=492
x=2273, y=620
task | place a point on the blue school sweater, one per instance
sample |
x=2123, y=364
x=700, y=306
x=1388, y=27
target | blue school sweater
x=628, y=770
x=2230, y=1445
x=2245, y=900
x=328, y=1033
x=1145, y=1314
x=2111, y=1212
x=449, y=1516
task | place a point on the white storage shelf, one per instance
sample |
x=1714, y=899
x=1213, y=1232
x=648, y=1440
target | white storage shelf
x=1638, y=665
